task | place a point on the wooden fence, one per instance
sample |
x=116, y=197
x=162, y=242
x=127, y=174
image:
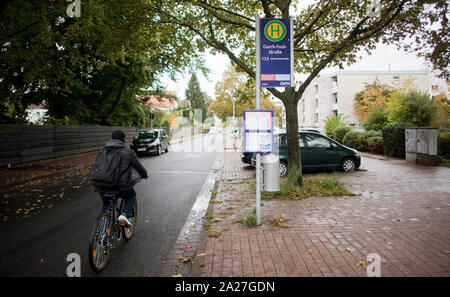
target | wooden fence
x=24, y=143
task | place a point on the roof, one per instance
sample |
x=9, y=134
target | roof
x=375, y=72
x=157, y=101
x=183, y=103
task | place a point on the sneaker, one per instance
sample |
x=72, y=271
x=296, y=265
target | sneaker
x=123, y=221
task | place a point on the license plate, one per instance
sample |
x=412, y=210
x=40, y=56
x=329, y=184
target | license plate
x=141, y=149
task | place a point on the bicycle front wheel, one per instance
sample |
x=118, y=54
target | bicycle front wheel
x=100, y=242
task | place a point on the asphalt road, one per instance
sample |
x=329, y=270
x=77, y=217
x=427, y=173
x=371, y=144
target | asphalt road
x=40, y=244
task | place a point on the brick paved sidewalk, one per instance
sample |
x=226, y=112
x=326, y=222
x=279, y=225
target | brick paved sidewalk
x=402, y=214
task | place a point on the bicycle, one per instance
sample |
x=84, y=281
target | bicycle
x=107, y=232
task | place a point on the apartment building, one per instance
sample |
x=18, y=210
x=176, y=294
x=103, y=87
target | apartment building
x=333, y=94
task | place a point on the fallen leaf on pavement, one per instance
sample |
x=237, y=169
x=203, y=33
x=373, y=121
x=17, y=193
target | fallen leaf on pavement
x=361, y=263
x=185, y=259
x=177, y=275
x=310, y=250
x=201, y=255
x=189, y=246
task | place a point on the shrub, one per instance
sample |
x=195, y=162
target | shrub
x=359, y=140
x=340, y=132
x=332, y=123
x=350, y=139
x=377, y=120
x=394, y=139
x=362, y=143
x=412, y=106
x=375, y=144
x=444, y=144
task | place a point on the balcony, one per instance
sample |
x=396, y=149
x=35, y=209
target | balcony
x=334, y=89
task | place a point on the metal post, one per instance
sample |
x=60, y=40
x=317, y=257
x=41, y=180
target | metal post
x=233, y=109
x=258, y=106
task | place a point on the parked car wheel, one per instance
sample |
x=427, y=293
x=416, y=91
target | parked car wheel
x=348, y=164
x=283, y=168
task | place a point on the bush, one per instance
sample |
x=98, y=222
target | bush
x=377, y=120
x=394, y=139
x=339, y=133
x=362, y=143
x=350, y=139
x=332, y=123
x=411, y=106
x=360, y=140
x=444, y=144
x=375, y=144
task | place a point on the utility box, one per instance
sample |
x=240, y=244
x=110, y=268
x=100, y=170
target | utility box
x=421, y=145
x=270, y=172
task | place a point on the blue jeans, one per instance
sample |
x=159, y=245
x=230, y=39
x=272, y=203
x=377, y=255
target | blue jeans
x=129, y=197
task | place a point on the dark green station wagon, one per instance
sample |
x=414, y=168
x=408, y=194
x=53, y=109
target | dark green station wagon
x=317, y=152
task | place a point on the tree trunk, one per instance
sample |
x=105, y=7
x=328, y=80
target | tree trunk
x=116, y=102
x=294, y=158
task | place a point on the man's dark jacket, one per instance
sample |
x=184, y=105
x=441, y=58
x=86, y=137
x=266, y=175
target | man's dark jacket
x=131, y=169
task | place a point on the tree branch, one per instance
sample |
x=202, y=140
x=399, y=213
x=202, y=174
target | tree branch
x=350, y=40
x=266, y=9
x=211, y=9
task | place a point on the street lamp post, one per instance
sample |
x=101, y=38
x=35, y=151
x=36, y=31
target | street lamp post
x=234, y=100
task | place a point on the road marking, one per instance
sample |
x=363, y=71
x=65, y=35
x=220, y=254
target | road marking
x=180, y=172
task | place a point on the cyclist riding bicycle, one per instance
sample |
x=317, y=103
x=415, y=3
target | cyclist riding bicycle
x=130, y=172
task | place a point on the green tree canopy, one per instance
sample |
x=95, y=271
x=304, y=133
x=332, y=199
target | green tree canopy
x=413, y=107
x=238, y=87
x=87, y=68
x=196, y=97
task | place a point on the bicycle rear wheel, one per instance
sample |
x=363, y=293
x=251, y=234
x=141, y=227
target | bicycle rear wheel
x=128, y=231
x=99, y=243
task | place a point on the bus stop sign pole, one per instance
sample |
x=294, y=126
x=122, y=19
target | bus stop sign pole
x=258, y=106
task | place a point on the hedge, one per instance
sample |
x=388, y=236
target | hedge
x=444, y=144
x=394, y=139
x=368, y=141
x=340, y=132
x=375, y=144
x=350, y=139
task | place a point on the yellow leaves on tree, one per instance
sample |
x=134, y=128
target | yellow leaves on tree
x=374, y=95
x=443, y=111
x=236, y=86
